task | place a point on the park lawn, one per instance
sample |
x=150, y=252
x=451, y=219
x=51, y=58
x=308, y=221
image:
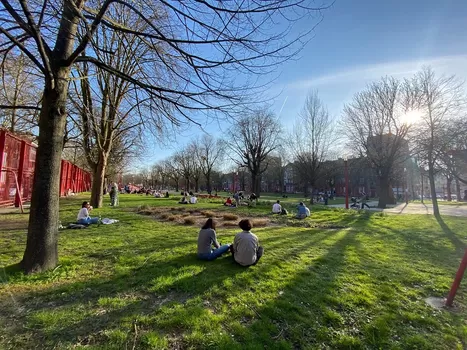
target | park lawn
x=339, y=280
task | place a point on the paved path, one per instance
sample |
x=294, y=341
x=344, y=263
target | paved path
x=417, y=208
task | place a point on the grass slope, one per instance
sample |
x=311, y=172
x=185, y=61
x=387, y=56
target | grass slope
x=138, y=285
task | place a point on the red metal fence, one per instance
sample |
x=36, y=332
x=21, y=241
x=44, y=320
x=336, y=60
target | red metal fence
x=17, y=159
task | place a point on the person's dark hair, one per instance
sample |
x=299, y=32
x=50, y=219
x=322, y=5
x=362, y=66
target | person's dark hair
x=301, y=203
x=278, y=201
x=245, y=225
x=84, y=204
x=210, y=223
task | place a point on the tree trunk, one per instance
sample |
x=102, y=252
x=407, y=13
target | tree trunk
x=384, y=197
x=42, y=241
x=208, y=181
x=254, y=183
x=196, y=185
x=458, y=190
x=434, y=199
x=258, y=186
x=98, y=177
x=448, y=184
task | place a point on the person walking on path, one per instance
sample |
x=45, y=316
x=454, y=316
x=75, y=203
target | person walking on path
x=364, y=200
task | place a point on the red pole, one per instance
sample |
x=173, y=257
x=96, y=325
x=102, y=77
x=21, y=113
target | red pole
x=20, y=173
x=2, y=147
x=346, y=184
x=457, y=280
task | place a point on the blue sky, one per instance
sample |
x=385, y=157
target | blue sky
x=360, y=41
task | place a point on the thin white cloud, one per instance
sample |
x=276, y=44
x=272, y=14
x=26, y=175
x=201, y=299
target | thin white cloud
x=445, y=64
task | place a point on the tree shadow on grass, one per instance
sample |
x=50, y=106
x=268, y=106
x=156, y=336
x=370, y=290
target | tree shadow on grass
x=425, y=245
x=301, y=316
x=460, y=245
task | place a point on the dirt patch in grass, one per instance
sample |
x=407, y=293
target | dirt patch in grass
x=14, y=225
x=194, y=217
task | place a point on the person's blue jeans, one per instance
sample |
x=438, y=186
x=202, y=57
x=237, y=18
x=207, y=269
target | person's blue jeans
x=215, y=253
x=88, y=221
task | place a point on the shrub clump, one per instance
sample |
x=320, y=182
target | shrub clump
x=189, y=220
x=230, y=223
x=208, y=214
x=173, y=217
x=144, y=209
x=230, y=217
x=259, y=222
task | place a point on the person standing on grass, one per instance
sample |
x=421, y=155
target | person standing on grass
x=206, y=239
x=83, y=215
x=245, y=248
x=277, y=208
x=237, y=199
x=303, y=211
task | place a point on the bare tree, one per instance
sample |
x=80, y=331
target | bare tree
x=438, y=100
x=172, y=171
x=255, y=136
x=374, y=127
x=106, y=106
x=20, y=88
x=213, y=42
x=311, y=141
x=210, y=154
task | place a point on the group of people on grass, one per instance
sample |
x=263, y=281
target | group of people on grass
x=184, y=200
x=303, y=210
x=238, y=197
x=245, y=248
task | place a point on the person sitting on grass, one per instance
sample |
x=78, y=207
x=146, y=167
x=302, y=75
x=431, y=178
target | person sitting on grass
x=83, y=215
x=277, y=208
x=206, y=239
x=228, y=202
x=183, y=200
x=193, y=199
x=303, y=211
x=245, y=248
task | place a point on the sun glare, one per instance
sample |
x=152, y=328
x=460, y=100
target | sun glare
x=411, y=117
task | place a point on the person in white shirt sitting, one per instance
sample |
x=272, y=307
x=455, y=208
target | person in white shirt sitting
x=83, y=215
x=193, y=199
x=277, y=208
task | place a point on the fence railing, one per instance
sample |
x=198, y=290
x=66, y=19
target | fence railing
x=17, y=161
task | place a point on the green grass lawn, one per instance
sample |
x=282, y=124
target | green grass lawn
x=338, y=280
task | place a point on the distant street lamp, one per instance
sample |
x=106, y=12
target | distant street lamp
x=406, y=185
x=346, y=172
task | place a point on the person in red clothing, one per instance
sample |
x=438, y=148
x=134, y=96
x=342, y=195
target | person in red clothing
x=228, y=202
